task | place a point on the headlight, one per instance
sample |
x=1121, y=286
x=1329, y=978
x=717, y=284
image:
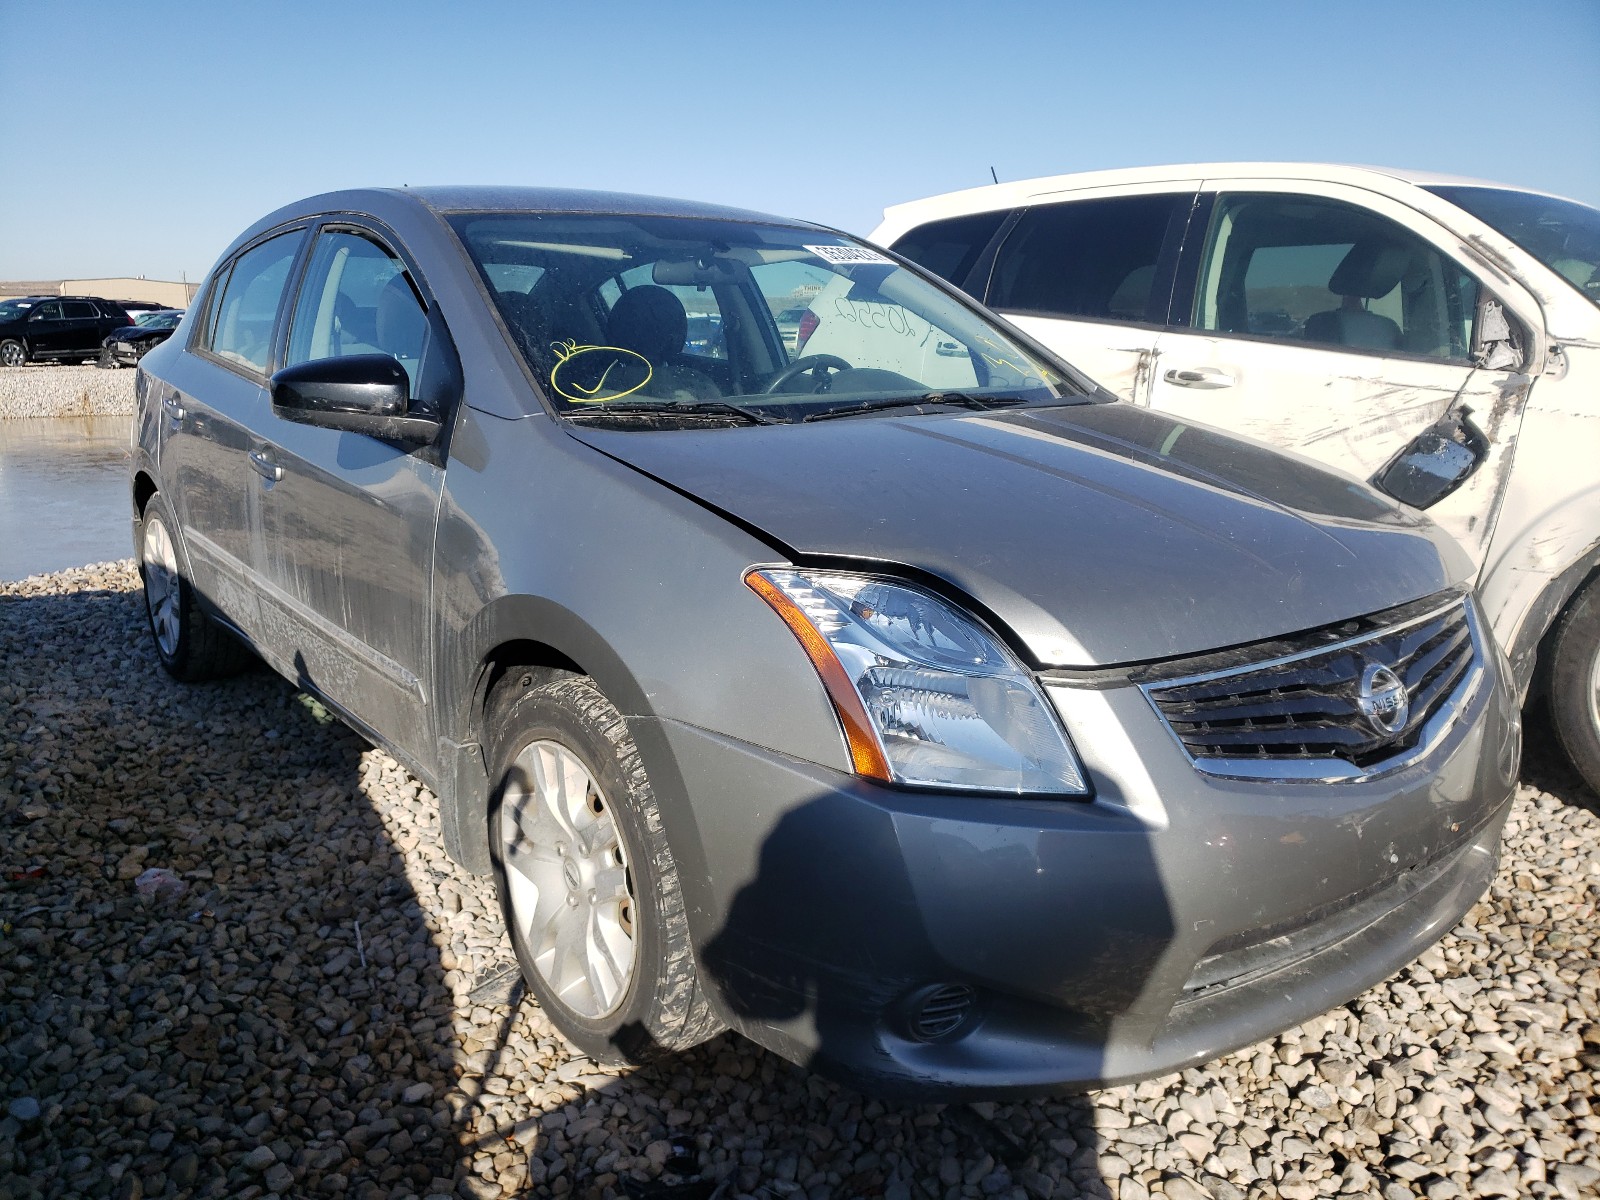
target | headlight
x=927, y=695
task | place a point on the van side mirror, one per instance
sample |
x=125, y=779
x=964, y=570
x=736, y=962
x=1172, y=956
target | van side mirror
x=1435, y=462
x=359, y=393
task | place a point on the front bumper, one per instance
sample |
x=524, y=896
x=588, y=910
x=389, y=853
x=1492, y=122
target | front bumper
x=1172, y=919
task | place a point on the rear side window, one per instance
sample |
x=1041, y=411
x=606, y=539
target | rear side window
x=950, y=248
x=241, y=331
x=79, y=310
x=1094, y=259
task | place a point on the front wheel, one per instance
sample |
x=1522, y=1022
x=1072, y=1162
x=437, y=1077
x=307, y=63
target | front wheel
x=12, y=353
x=1575, y=683
x=588, y=884
x=190, y=645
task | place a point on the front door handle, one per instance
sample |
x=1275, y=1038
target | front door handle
x=172, y=406
x=266, y=466
x=1198, y=377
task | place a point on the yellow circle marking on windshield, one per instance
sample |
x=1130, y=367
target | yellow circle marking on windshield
x=596, y=374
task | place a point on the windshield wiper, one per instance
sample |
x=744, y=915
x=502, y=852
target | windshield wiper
x=960, y=399
x=694, y=408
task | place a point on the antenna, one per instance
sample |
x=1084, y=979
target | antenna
x=993, y=176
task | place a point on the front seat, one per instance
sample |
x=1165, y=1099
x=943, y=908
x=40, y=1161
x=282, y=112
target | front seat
x=650, y=321
x=1369, y=269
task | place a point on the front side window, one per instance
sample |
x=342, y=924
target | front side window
x=50, y=310
x=241, y=329
x=357, y=299
x=740, y=319
x=1090, y=259
x=1304, y=269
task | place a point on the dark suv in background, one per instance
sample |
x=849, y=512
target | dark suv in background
x=56, y=328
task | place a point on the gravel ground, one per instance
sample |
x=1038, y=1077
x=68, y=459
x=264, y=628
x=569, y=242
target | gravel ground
x=326, y=1009
x=47, y=391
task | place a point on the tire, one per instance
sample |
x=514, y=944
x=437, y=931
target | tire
x=1575, y=683
x=190, y=645
x=588, y=894
x=12, y=353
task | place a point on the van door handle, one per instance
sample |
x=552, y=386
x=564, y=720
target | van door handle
x=171, y=405
x=1198, y=377
x=266, y=466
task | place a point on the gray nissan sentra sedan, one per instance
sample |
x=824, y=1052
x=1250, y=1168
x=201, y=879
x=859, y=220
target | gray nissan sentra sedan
x=955, y=732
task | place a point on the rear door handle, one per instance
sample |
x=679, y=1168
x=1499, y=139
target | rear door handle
x=266, y=466
x=1198, y=377
x=171, y=405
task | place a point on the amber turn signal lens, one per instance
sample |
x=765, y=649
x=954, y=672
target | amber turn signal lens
x=865, y=752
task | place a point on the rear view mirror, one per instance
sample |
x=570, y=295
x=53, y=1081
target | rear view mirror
x=1435, y=462
x=360, y=393
x=708, y=271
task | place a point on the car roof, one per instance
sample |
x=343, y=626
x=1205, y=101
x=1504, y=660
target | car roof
x=479, y=198
x=1003, y=195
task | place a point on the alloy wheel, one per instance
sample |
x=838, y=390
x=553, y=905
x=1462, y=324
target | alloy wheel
x=160, y=563
x=570, y=891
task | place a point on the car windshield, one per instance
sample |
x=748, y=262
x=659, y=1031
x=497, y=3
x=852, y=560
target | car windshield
x=1562, y=234
x=644, y=319
x=156, y=319
x=15, y=310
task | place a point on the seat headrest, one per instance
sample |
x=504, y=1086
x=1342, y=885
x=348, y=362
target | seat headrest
x=1369, y=269
x=648, y=320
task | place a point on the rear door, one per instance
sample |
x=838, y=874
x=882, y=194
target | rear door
x=80, y=328
x=1090, y=276
x=1336, y=322
x=211, y=397
x=347, y=520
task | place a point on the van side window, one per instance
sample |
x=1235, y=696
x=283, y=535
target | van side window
x=1093, y=259
x=950, y=248
x=1305, y=269
x=241, y=331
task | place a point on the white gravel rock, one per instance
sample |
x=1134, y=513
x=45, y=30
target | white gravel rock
x=245, y=1040
x=37, y=390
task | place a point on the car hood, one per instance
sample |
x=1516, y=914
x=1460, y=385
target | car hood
x=1098, y=533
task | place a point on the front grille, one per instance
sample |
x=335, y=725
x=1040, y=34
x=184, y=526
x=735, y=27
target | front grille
x=1325, y=704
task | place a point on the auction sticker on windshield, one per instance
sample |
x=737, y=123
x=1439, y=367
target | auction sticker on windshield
x=846, y=255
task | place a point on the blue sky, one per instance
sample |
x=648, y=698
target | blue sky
x=144, y=137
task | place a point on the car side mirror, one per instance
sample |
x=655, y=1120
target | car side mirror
x=1435, y=462
x=359, y=393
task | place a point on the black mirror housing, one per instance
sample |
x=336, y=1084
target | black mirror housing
x=1435, y=462
x=360, y=393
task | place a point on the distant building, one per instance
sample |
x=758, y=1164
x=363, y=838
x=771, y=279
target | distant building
x=157, y=291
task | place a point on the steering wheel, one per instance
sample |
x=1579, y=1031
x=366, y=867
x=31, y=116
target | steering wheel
x=816, y=364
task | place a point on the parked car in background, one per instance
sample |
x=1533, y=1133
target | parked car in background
x=134, y=307
x=56, y=328
x=126, y=346
x=1353, y=315
x=956, y=743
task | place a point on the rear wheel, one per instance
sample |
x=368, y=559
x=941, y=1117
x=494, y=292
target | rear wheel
x=588, y=884
x=1575, y=683
x=12, y=353
x=189, y=643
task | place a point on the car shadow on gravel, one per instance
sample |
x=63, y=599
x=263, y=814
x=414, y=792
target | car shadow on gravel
x=1545, y=764
x=271, y=1017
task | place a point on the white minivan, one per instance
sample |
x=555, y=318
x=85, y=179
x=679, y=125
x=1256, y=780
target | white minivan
x=1438, y=336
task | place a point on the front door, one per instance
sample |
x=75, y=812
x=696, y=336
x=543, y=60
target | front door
x=47, y=327
x=1337, y=329
x=347, y=520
